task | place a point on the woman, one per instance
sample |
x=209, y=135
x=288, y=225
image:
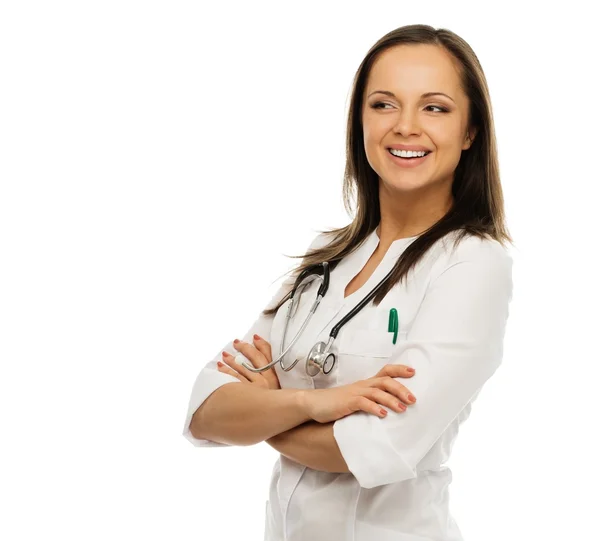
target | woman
x=360, y=458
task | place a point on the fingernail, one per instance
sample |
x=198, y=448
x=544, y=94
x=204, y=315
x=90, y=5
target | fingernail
x=411, y=398
x=236, y=341
x=219, y=364
x=410, y=370
x=256, y=337
x=382, y=411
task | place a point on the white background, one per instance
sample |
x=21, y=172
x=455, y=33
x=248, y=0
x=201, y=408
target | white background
x=158, y=159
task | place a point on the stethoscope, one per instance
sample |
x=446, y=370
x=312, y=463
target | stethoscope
x=320, y=358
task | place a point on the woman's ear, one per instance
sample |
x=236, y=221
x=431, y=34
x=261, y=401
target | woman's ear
x=469, y=138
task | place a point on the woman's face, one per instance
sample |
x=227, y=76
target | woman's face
x=402, y=115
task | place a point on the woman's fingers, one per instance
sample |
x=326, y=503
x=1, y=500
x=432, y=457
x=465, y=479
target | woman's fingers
x=396, y=371
x=362, y=403
x=230, y=360
x=264, y=348
x=373, y=399
x=256, y=355
x=385, y=399
x=395, y=388
x=382, y=391
x=252, y=356
x=388, y=383
x=225, y=369
x=252, y=353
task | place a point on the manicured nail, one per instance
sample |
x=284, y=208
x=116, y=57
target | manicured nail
x=410, y=370
x=256, y=337
x=236, y=341
x=225, y=354
x=383, y=412
x=219, y=364
x=411, y=398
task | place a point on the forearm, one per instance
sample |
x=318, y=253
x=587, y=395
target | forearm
x=311, y=444
x=244, y=414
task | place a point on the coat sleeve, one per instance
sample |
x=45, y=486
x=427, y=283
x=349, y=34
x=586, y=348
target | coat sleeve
x=210, y=379
x=455, y=345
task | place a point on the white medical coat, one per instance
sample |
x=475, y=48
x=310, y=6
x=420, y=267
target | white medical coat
x=452, y=317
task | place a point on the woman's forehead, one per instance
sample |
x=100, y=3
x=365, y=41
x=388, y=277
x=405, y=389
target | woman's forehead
x=411, y=69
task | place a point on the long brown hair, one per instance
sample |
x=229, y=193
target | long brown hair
x=478, y=207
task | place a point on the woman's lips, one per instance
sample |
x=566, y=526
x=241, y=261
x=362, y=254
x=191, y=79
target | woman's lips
x=408, y=162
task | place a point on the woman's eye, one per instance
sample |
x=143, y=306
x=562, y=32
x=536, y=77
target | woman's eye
x=380, y=104
x=442, y=109
x=377, y=104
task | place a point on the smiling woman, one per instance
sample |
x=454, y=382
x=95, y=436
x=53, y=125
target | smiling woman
x=414, y=140
x=362, y=449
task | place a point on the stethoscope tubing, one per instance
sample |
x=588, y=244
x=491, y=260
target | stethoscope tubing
x=305, y=276
x=293, y=306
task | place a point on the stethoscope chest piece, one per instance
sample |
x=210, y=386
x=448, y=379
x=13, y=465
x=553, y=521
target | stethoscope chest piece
x=319, y=360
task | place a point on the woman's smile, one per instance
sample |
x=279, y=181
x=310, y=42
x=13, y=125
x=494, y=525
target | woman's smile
x=408, y=162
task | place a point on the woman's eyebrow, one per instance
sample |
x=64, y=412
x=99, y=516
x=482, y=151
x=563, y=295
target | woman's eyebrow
x=426, y=95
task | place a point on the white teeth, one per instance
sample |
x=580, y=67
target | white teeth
x=407, y=153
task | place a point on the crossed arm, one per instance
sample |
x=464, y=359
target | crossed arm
x=311, y=444
x=242, y=414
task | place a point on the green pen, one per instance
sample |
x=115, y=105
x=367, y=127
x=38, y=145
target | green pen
x=393, y=323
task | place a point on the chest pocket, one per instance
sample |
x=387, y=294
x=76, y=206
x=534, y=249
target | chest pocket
x=362, y=352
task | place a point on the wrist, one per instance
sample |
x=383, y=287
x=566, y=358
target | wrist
x=303, y=403
x=300, y=398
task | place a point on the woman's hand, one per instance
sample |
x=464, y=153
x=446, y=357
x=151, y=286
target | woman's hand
x=326, y=405
x=258, y=355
